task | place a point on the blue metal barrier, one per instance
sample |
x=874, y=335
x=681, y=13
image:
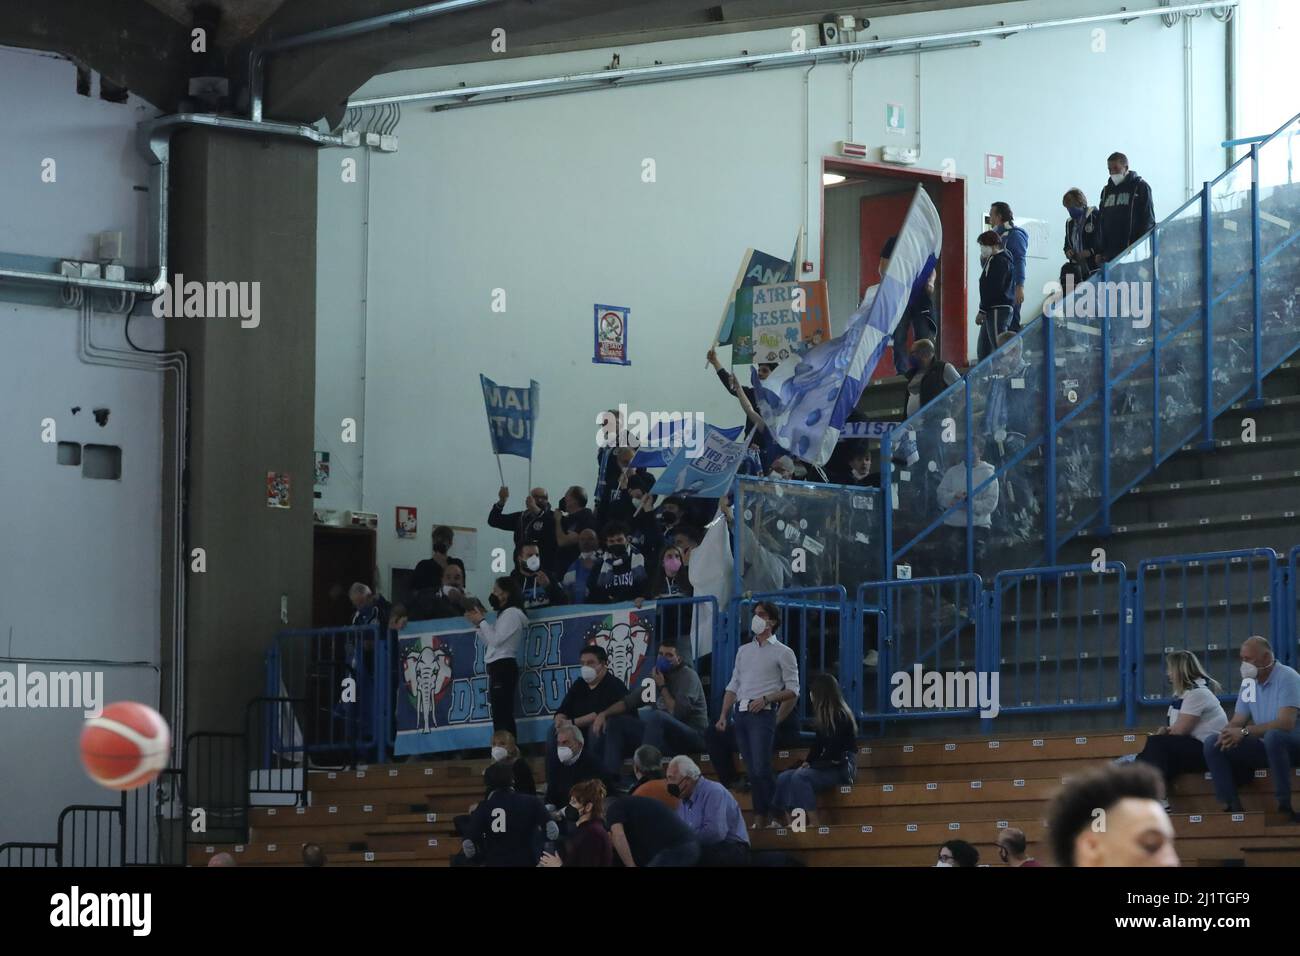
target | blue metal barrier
x=1287, y=648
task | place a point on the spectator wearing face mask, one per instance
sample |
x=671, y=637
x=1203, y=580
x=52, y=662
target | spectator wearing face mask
x=635, y=508
x=432, y=572
x=857, y=469
x=622, y=575
x=668, y=516
x=645, y=832
x=729, y=381
x=501, y=639
x=1262, y=732
x=647, y=767
x=536, y=586
x=589, y=843
x=1016, y=243
x=1012, y=846
x=611, y=425
x=1083, y=239
x=572, y=762
x=595, y=692
x=1127, y=210
x=534, y=525
x=506, y=827
x=958, y=853
x=918, y=316
x=577, y=578
x=712, y=813
x=763, y=689
x=1137, y=830
x=506, y=751
x=1194, y=717
x=452, y=596
x=952, y=494
x=618, y=475
x=670, y=576
x=927, y=377
x=571, y=520
x=832, y=759
x=997, y=291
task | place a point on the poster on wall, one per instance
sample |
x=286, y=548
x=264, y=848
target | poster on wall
x=895, y=118
x=277, y=489
x=406, y=524
x=769, y=325
x=611, y=335
x=995, y=172
x=322, y=476
x=442, y=700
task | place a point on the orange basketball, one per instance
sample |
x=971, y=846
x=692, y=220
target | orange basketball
x=126, y=746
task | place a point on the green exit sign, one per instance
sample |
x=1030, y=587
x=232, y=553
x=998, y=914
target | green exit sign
x=895, y=120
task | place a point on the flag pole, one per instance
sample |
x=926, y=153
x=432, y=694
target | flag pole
x=501, y=474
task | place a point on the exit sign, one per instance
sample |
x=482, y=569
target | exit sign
x=895, y=120
x=994, y=168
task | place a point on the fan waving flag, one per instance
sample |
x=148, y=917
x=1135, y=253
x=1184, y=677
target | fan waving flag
x=807, y=399
x=511, y=415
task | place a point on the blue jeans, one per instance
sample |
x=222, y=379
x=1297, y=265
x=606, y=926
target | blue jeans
x=1277, y=750
x=796, y=788
x=683, y=854
x=753, y=735
x=670, y=735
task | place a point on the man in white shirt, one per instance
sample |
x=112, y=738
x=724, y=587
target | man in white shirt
x=952, y=494
x=764, y=687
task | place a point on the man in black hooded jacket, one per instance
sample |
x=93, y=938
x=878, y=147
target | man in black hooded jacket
x=1127, y=211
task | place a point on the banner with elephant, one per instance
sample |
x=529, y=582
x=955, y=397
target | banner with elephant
x=442, y=697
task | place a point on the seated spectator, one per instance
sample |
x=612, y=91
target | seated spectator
x=369, y=607
x=711, y=812
x=312, y=855
x=670, y=576
x=534, y=525
x=225, y=859
x=832, y=759
x=570, y=521
x=647, y=767
x=1262, y=732
x=1134, y=830
x=958, y=853
x=452, y=598
x=952, y=494
x=506, y=751
x=573, y=762
x=763, y=689
x=927, y=377
x=398, y=618
x=536, y=586
x=645, y=832
x=1083, y=240
x=586, y=699
x=673, y=720
x=578, y=576
x=1012, y=846
x=589, y=842
x=997, y=292
x=1194, y=717
x=506, y=827
x=622, y=574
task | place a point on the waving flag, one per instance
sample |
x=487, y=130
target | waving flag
x=511, y=415
x=807, y=399
x=667, y=438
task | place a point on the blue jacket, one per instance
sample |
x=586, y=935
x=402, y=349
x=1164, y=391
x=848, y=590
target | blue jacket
x=1016, y=241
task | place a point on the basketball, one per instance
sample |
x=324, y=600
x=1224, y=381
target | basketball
x=126, y=746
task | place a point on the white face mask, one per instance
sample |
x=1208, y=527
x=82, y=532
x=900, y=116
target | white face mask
x=1117, y=178
x=943, y=863
x=565, y=754
x=532, y=562
x=450, y=590
x=759, y=624
x=986, y=253
x=1249, y=671
x=499, y=754
x=588, y=674
x=588, y=555
x=859, y=474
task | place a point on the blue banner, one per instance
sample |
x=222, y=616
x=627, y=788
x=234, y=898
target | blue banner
x=665, y=440
x=511, y=414
x=442, y=697
x=756, y=268
x=707, y=473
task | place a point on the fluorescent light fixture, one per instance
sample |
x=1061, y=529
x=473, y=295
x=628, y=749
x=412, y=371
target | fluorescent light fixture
x=832, y=179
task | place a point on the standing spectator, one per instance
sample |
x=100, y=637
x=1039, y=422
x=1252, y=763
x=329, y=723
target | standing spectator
x=1136, y=832
x=832, y=759
x=670, y=576
x=574, y=762
x=645, y=832
x=918, y=316
x=729, y=381
x=1127, y=210
x=997, y=291
x=618, y=475
x=1012, y=846
x=578, y=578
x=622, y=575
x=501, y=639
x=506, y=826
x=927, y=377
x=647, y=766
x=1016, y=243
x=857, y=467
x=958, y=853
x=535, y=584
x=611, y=425
x=674, y=720
x=369, y=607
x=711, y=812
x=571, y=520
x=952, y=492
x=432, y=571
x=586, y=699
x=1083, y=239
x=634, y=507
x=1262, y=732
x=1195, y=717
x=534, y=525
x=589, y=844
x=765, y=684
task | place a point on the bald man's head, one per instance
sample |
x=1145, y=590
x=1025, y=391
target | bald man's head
x=1258, y=654
x=221, y=859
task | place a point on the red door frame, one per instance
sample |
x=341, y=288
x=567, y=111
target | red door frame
x=952, y=254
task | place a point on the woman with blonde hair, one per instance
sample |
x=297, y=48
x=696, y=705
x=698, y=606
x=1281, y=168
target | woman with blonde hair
x=1195, y=716
x=832, y=760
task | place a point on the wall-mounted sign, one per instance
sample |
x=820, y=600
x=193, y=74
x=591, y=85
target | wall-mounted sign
x=611, y=335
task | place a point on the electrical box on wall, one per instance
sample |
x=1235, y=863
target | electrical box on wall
x=901, y=155
x=830, y=34
x=362, y=519
x=856, y=150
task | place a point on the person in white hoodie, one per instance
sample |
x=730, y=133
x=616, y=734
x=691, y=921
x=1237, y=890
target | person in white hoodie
x=952, y=495
x=501, y=639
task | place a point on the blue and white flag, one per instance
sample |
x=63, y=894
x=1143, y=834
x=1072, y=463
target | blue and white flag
x=707, y=474
x=666, y=439
x=807, y=399
x=511, y=414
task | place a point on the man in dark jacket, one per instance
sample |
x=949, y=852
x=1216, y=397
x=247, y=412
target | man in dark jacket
x=1083, y=243
x=506, y=828
x=534, y=525
x=918, y=316
x=576, y=762
x=539, y=589
x=1127, y=211
x=1016, y=243
x=997, y=291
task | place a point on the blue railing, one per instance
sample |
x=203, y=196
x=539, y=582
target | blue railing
x=1123, y=372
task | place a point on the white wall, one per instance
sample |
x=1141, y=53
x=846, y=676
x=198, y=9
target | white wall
x=544, y=198
x=80, y=557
